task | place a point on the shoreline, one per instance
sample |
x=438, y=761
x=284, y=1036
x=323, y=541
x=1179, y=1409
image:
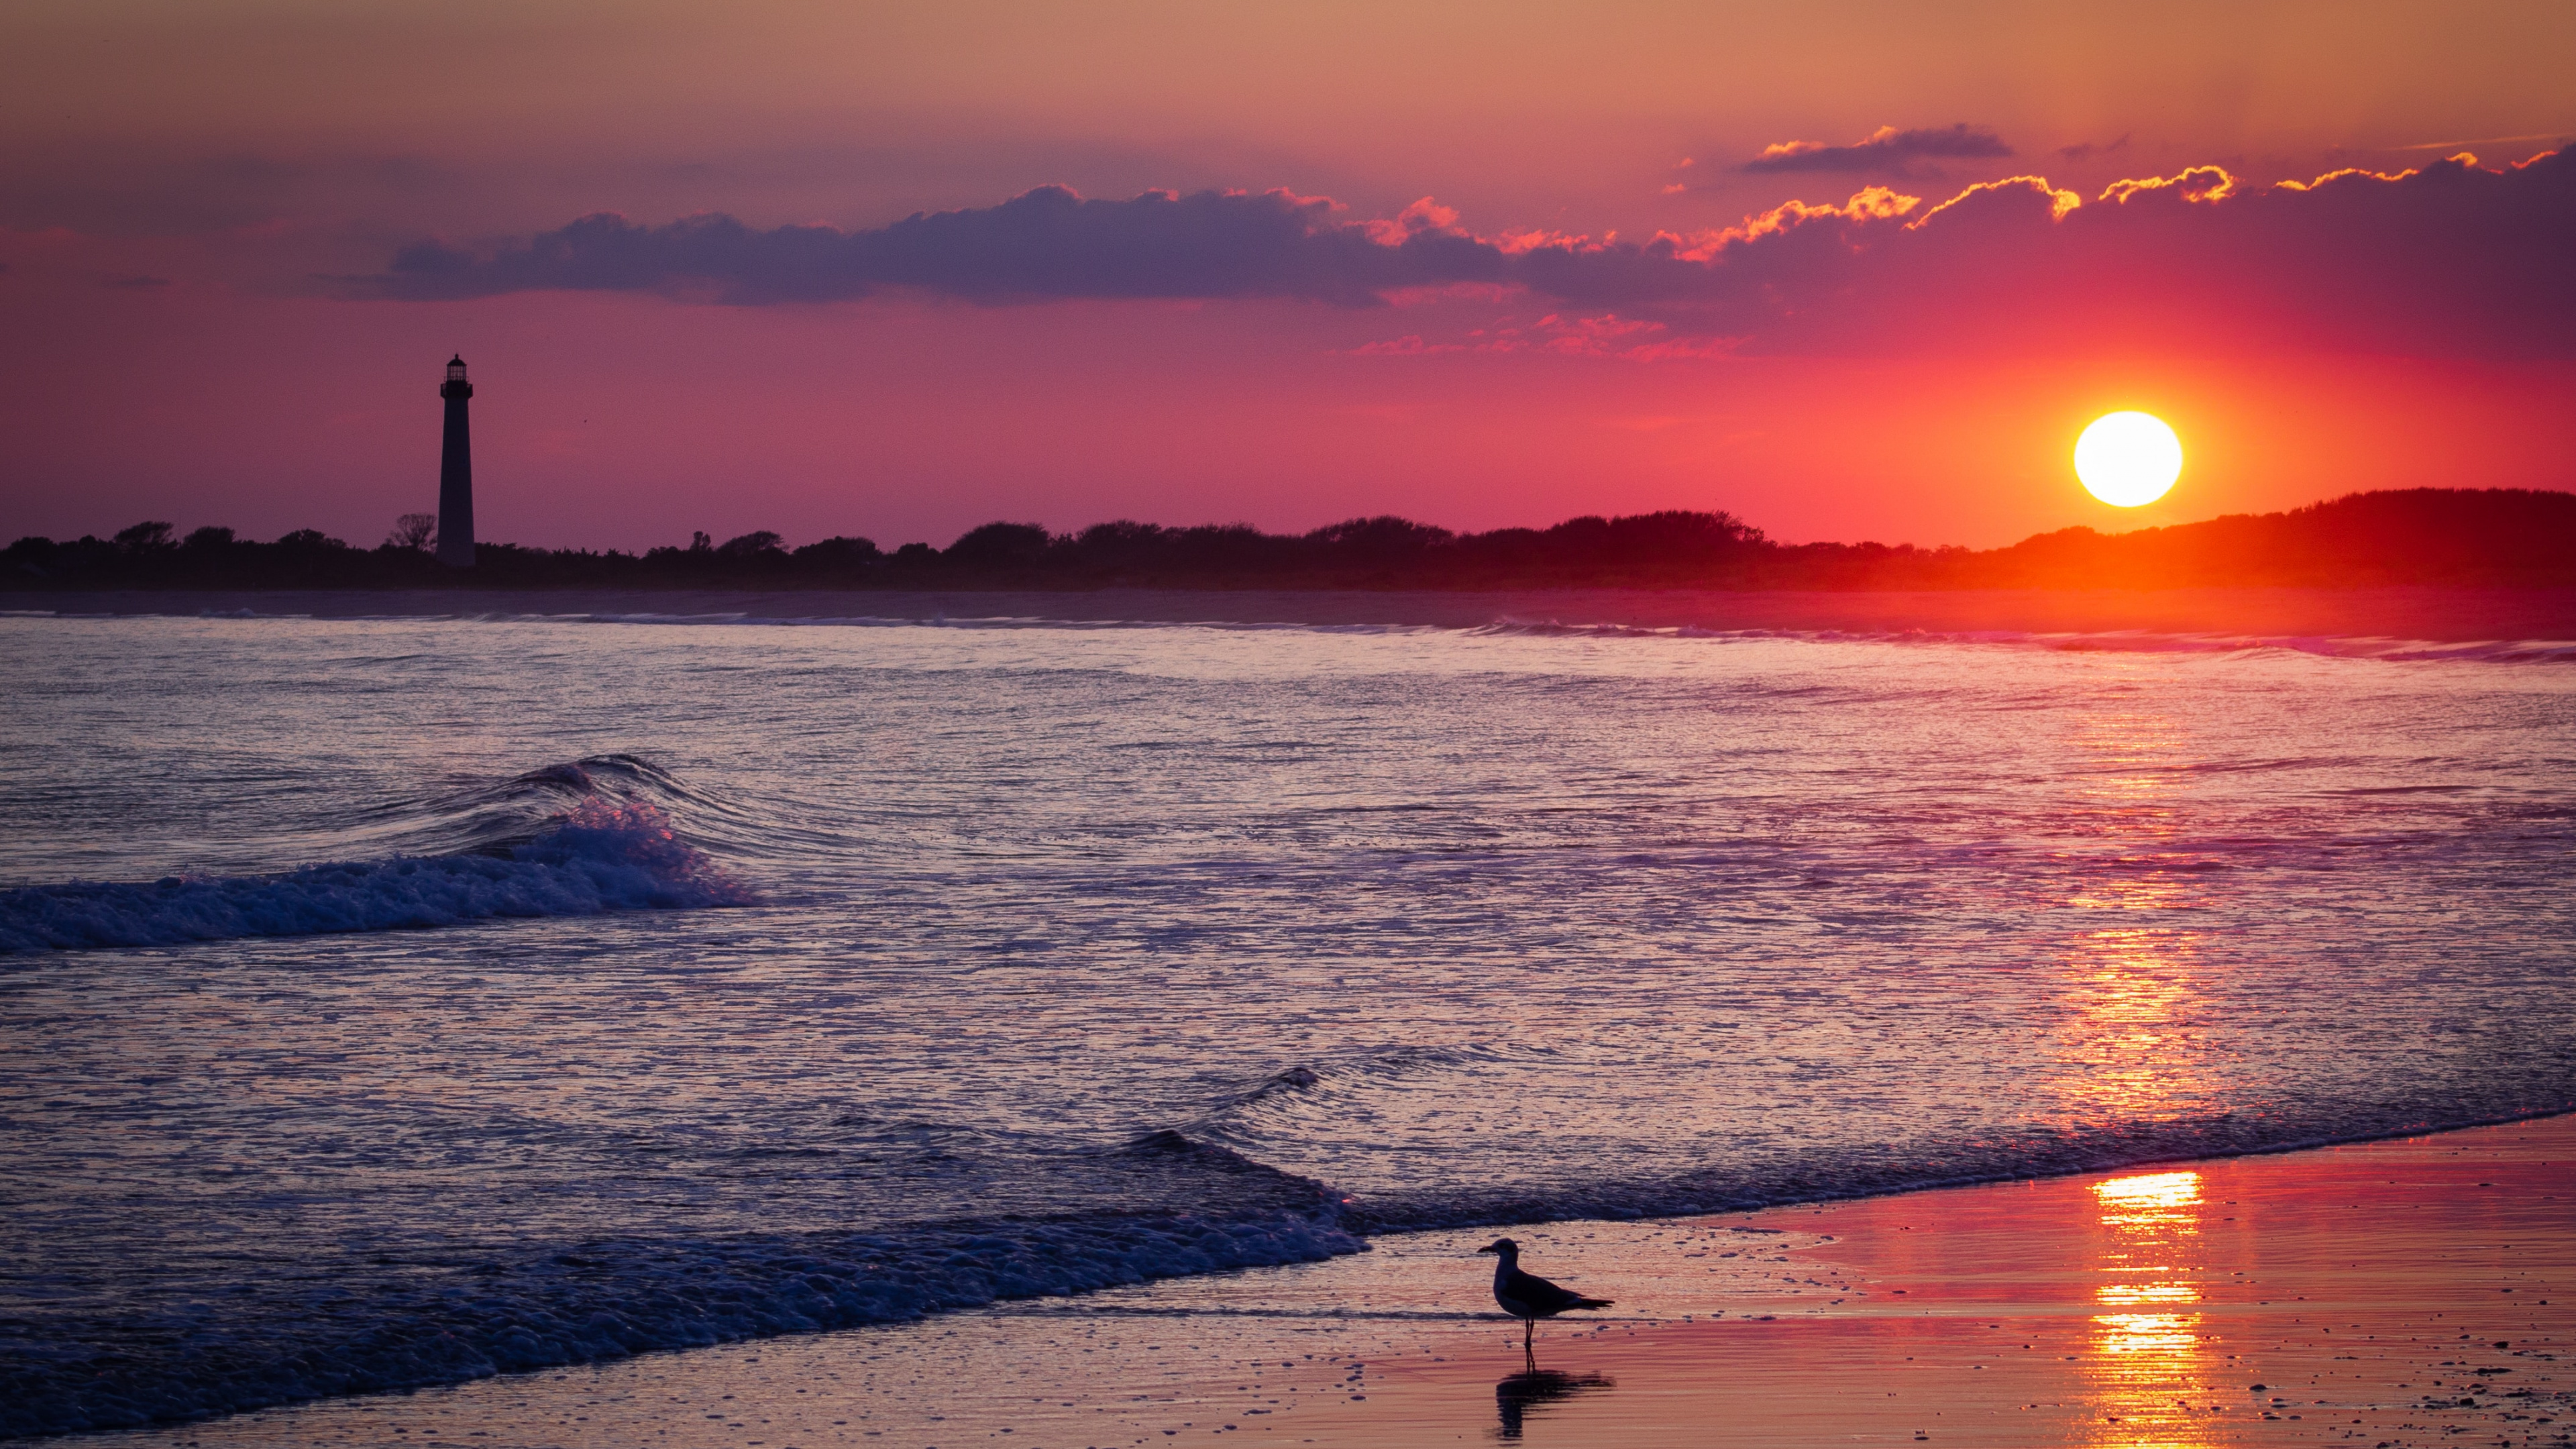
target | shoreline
x=2431, y=613
x=2403, y=1291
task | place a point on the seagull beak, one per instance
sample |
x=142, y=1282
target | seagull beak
x=1489, y=1248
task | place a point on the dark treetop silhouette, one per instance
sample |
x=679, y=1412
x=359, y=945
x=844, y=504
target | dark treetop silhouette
x=2495, y=536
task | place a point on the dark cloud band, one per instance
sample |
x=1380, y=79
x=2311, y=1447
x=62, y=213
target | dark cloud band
x=1044, y=244
x=2452, y=259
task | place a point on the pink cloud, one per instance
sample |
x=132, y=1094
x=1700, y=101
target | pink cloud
x=1886, y=151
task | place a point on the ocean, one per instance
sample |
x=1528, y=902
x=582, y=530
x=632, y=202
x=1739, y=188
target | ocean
x=389, y=1002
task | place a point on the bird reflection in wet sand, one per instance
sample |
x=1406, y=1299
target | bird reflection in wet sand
x=1533, y=1388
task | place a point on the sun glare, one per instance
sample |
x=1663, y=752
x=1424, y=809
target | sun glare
x=2128, y=459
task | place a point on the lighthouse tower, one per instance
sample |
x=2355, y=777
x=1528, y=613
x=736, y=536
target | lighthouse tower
x=456, y=473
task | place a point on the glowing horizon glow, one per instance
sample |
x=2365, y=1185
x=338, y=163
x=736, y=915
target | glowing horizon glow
x=2128, y=459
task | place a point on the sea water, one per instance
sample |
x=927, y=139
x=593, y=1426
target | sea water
x=389, y=1002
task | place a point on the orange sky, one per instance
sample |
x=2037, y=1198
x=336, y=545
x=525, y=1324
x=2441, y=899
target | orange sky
x=181, y=184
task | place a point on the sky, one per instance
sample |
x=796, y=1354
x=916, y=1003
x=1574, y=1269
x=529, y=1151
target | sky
x=1848, y=271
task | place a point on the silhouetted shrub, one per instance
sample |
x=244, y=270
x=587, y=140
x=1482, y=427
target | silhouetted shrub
x=1383, y=539
x=1000, y=545
x=838, y=555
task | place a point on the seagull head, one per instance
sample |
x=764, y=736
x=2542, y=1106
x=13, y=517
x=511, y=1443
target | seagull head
x=1504, y=1246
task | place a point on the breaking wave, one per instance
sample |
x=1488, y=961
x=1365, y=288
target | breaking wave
x=570, y=840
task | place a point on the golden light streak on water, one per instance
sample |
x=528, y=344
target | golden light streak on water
x=2147, y=1196
x=2133, y=992
x=2149, y=1367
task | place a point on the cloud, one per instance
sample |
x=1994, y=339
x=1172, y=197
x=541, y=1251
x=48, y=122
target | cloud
x=1043, y=244
x=1888, y=151
x=2450, y=259
x=2554, y=138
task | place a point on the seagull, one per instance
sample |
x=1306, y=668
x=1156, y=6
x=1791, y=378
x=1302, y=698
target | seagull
x=1526, y=1296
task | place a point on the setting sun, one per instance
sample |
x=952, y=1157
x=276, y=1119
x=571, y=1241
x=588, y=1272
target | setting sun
x=2128, y=459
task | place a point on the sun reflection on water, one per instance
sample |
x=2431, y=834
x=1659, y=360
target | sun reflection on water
x=2130, y=1038
x=2149, y=1368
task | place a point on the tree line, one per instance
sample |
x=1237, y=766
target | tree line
x=2501, y=536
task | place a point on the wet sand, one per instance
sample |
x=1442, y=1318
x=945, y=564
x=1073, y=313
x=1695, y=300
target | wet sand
x=2399, y=1293
x=2436, y=613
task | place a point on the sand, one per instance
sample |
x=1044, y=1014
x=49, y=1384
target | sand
x=2397, y=1293
x=2417, y=612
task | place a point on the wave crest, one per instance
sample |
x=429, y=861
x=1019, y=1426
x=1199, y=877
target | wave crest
x=553, y=842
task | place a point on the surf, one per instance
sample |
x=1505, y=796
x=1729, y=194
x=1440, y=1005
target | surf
x=574, y=839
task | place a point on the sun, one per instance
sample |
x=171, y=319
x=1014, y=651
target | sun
x=2128, y=460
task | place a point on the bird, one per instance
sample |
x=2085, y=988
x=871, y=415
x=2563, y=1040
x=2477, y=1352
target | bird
x=1527, y=1296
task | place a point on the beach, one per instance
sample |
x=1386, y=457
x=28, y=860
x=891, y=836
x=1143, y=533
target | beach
x=790, y=726
x=904, y=1028
x=2410, y=1292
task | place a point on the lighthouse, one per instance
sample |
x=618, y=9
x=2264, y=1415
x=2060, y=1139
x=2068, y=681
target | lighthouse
x=456, y=473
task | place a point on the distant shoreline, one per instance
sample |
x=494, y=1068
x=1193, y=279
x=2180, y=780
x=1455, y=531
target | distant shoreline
x=2429, y=612
x=2491, y=537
